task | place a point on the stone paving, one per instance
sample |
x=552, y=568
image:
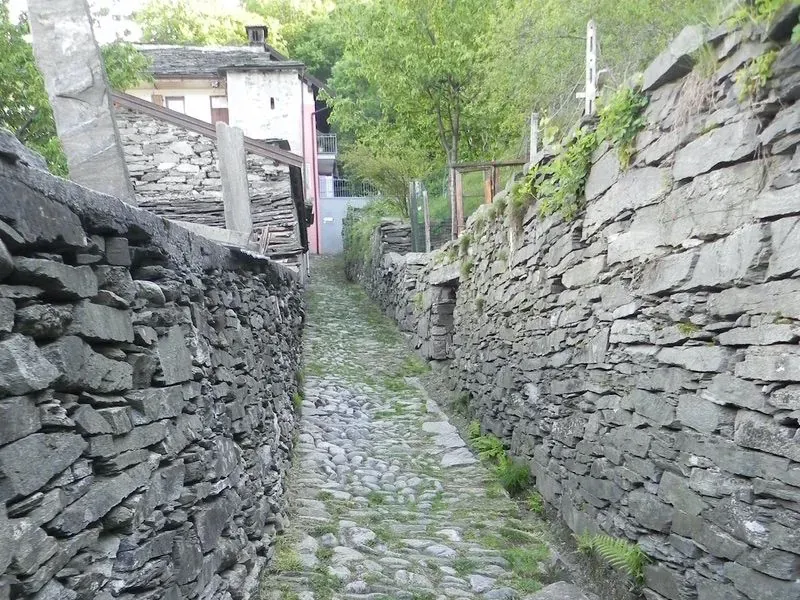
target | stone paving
x=387, y=500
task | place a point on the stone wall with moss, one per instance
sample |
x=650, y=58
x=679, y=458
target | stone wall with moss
x=636, y=342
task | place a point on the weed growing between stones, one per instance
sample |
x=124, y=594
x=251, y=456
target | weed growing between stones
x=753, y=77
x=514, y=476
x=687, y=328
x=464, y=566
x=621, y=119
x=286, y=559
x=480, y=302
x=375, y=498
x=324, y=585
x=697, y=90
x=324, y=554
x=463, y=243
x=466, y=268
x=619, y=554
x=324, y=528
x=297, y=403
x=536, y=503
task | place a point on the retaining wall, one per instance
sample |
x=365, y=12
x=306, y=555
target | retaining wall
x=643, y=358
x=146, y=382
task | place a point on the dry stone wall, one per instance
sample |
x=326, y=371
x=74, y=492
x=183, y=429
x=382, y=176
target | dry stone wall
x=643, y=358
x=146, y=382
x=175, y=173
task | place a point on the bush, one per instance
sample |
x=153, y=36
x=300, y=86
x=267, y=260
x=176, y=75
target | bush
x=514, y=476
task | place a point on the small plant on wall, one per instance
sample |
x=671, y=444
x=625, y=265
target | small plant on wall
x=753, y=78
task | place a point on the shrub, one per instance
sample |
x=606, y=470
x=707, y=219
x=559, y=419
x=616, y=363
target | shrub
x=621, y=119
x=618, y=553
x=754, y=77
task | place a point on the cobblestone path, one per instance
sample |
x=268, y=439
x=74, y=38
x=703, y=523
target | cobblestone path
x=387, y=501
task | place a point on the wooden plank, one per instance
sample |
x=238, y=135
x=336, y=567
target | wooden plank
x=426, y=212
x=487, y=187
x=459, y=212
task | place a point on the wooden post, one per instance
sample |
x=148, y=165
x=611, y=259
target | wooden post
x=487, y=187
x=589, y=95
x=495, y=180
x=534, y=145
x=427, y=215
x=412, y=214
x=459, y=197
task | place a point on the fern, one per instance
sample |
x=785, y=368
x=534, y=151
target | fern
x=618, y=553
x=474, y=430
x=489, y=447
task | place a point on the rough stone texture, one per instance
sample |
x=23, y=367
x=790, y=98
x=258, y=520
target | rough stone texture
x=146, y=376
x=175, y=173
x=642, y=359
x=72, y=67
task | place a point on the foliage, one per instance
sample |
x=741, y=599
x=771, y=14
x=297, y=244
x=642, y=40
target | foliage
x=192, y=22
x=559, y=185
x=297, y=402
x=621, y=118
x=514, y=476
x=618, y=553
x=24, y=105
x=489, y=447
x=537, y=49
x=359, y=226
x=752, y=78
x=466, y=268
x=387, y=163
x=473, y=430
x=414, y=69
x=125, y=66
x=464, y=242
x=536, y=503
x=758, y=11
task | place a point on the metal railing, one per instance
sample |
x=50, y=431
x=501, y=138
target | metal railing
x=343, y=188
x=326, y=143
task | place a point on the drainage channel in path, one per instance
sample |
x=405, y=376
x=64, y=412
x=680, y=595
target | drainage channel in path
x=387, y=502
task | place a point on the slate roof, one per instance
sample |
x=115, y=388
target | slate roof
x=189, y=61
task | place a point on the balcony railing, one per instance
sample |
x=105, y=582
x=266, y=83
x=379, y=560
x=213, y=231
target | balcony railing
x=343, y=188
x=326, y=143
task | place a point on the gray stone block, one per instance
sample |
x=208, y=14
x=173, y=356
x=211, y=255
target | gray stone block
x=668, y=273
x=6, y=262
x=649, y=511
x=32, y=461
x=724, y=145
x=729, y=260
x=634, y=189
x=779, y=362
x=785, y=238
x=7, y=308
x=754, y=430
x=101, y=497
x=153, y=404
x=764, y=334
x=37, y=220
x=174, y=356
x=117, y=251
x=702, y=415
x=560, y=590
x=676, y=61
x=23, y=367
x=58, y=279
x=696, y=358
x=18, y=418
x=43, y=321
x=756, y=585
x=781, y=297
x=98, y=323
x=82, y=369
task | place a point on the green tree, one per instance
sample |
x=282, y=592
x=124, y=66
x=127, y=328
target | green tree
x=192, y=22
x=24, y=106
x=414, y=69
x=537, y=52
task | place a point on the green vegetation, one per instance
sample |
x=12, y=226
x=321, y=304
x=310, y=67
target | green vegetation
x=621, y=118
x=753, y=77
x=375, y=498
x=297, y=403
x=464, y=566
x=536, y=503
x=618, y=553
x=286, y=559
x=324, y=554
x=324, y=584
x=513, y=476
x=463, y=243
x=418, y=301
x=688, y=328
x=480, y=302
x=466, y=268
x=360, y=224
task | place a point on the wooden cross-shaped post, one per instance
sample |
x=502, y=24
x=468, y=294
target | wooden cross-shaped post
x=589, y=95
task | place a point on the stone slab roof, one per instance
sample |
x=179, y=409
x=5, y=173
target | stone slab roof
x=195, y=61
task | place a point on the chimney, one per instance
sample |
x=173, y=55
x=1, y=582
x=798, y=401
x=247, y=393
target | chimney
x=256, y=34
